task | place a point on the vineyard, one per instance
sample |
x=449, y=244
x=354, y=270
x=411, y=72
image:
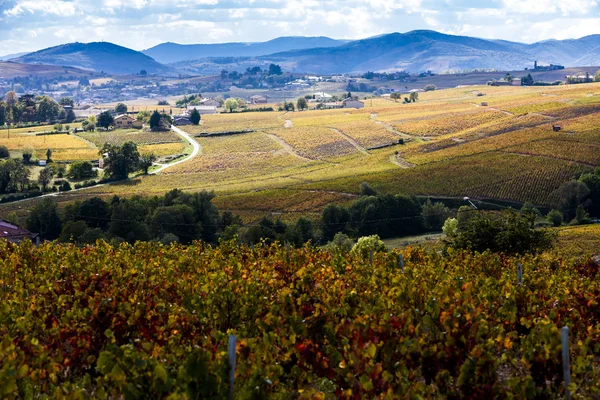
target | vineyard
x=64, y=147
x=151, y=321
x=315, y=142
x=236, y=122
x=368, y=134
x=139, y=137
x=451, y=146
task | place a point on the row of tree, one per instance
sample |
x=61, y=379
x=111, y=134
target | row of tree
x=174, y=217
x=27, y=109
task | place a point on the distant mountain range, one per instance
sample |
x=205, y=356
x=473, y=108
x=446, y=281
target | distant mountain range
x=11, y=56
x=97, y=56
x=412, y=51
x=167, y=53
x=428, y=50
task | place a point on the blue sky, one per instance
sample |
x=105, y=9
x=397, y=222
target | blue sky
x=27, y=25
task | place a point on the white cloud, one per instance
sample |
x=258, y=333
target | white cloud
x=45, y=7
x=141, y=24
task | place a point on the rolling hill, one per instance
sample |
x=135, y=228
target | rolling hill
x=11, y=56
x=173, y=52
x=11, y=70
x=412, y=51
x=96, y=56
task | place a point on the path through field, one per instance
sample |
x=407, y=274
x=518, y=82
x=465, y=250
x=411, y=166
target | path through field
x=195, y=152
x=286, y=146
x=351, y=141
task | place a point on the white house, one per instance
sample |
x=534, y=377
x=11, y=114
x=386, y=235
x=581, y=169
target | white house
x=203, y=110
x=322, y=96
x=351, y=103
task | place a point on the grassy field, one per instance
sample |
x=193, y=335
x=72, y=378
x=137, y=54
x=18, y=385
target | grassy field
x=297, y=163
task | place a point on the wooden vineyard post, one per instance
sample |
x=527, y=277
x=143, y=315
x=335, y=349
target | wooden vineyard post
x=232, y=360
x=371, y=258
x=566, y=360
x=520, y=273
x=401, y=262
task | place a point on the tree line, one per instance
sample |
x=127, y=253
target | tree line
x=27, y=109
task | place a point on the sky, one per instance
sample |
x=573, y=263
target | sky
x=28, y=25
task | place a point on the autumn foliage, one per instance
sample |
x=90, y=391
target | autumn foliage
x=151, y=321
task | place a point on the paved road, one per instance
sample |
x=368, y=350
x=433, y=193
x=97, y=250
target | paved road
x=197, y=149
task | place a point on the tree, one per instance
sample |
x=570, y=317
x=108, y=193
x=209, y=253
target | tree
x=3, y=112
x=508, y=77
x=28, y=153
x=49, y=155
x=509, y=232
x=335, y=219
x=105, y=120
x=195, y=117
x=143, y=72
x=73, y=231
x=597, y=76
x=571, y=195
x=341, y=242
x=47, y=109
x=155, y=120
x=302, y=104
x=367, y=190
x=414, y=96
x=121, y=161
x=592, y=181
x=177, y=219
x=4, y=153
x=45, y=178
x=367, y=244
x=44, y=219
x=11, y=99
x=143, y=116
x=396, y=96
x=121, y=108
x=66, y=101
x=82, y=170
x=146, y=161
x=527, y=80
x=95, y=212
x=231, y=105
x=435, y=214
x=70, y=116
x=430, y=88
x=581, y=216
x=275, y=69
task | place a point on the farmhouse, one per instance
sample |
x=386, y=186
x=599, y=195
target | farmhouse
x=127, y=121
x=210, y=103
x=203, y=110
x=352, y=103
x=14, y=234
x=86, y=112
x=257, y=99
x=181, y=120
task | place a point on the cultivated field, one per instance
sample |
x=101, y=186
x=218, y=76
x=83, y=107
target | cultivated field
x=452, y=146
